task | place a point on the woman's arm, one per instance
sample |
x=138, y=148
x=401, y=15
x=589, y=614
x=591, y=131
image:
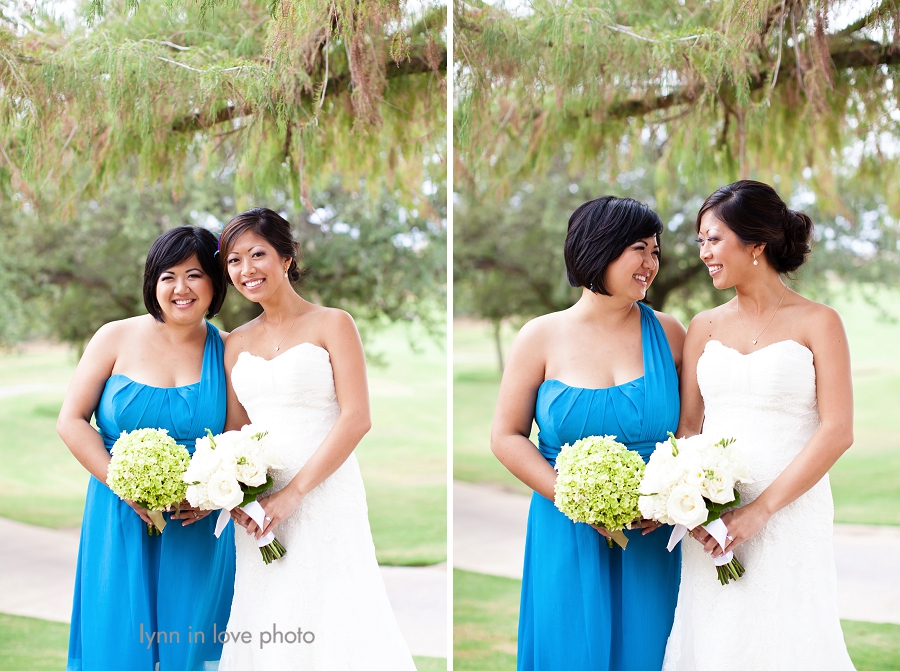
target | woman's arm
x=349, y=365
x=514, y=414
x=691, y=421
x=82, y=398
x=235, y=414
x=834, y=396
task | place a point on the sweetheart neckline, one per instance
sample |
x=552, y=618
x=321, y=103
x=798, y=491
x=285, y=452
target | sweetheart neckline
x=789, y=340
x=256, y=356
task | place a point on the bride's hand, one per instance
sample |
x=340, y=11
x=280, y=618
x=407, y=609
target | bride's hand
x=278, y=506
x=743, y=524
x=242, y=518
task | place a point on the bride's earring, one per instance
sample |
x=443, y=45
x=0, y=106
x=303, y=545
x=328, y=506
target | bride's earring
x=755, y=262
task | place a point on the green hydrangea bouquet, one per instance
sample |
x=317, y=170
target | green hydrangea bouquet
x=598, y=483
x=147, y=466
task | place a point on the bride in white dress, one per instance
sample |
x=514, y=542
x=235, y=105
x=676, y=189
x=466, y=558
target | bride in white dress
x=772, y=369
x=298, y=371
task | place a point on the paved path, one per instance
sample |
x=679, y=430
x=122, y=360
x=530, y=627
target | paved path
x=37, y=578
x=489, y=537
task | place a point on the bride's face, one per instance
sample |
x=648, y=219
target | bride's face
x=631, y=274
x=255, y=268
x=728, y=259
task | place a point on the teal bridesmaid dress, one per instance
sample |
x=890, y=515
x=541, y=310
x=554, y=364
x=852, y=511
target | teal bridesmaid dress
x=142, y=600
x=584, y=606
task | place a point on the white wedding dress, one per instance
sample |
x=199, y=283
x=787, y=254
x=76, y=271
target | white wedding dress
x=328, y=584
x=781, y=615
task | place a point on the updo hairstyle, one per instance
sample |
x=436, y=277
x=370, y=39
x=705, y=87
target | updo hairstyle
x=599, y=231
x=756, y=214
x=268, y=225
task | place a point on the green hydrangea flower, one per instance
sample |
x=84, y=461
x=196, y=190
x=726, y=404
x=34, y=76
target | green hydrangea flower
x=147, y=467
x=598, y=482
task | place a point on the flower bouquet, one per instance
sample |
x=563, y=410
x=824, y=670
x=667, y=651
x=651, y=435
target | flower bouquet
x=690, y=482
x=598, y=484
x=230, y=470
x=147, y=467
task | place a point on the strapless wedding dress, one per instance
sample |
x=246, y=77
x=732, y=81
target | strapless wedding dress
x=782, y=614
x=328, y=585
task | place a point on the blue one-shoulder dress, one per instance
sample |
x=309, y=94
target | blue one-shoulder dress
x=143, y=599
x=586, y=607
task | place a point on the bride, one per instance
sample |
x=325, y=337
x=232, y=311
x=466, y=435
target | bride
x=772, y=369
x=298, y=371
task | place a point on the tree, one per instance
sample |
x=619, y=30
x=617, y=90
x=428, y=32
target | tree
x=665, y=102
x=297, y=91
x=380, y=263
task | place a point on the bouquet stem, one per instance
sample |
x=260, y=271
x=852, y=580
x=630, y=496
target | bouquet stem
x=272, y=551
x=153, y=530
x=730, y=571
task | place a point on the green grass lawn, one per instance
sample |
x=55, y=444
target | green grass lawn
x=865, y=482
x=485, y=622
x=28, y=644
x=403, y=459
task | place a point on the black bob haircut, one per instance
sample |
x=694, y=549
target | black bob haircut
x=599, y=231
x=177, y=246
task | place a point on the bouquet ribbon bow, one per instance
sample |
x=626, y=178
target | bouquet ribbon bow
x=256, y=512
x=716, y=529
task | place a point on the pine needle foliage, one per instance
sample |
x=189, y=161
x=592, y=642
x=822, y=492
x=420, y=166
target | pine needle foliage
x=723, y=90
x=287, y=93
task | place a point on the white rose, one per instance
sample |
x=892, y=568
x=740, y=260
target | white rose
x=252, y=472
x=224, y=490
x=686, y=506
x=197, y=496
x=204, y=462
x=719, y=489
x=647, y=506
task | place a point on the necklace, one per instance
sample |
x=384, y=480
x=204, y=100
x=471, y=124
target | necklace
x=752, y=339
x=278, y=346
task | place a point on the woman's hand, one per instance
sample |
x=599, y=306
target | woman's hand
x=185, y=511
x=743, y=524
x=242, y=518
x=648, y=526
x=277, y=507
x=603, y=532
x=141, y=512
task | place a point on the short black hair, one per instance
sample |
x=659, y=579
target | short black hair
x=599, y=231
x=177, y=246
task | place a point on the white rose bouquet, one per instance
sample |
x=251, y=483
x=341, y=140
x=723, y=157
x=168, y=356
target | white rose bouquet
x=230, y=470
x=598, y=484
x=147, y=466
x=690, y=482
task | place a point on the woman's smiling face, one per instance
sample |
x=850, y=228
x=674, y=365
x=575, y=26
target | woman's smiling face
x=255, y=267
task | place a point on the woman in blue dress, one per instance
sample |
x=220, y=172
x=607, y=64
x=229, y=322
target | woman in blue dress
x=606, y=366
x=144, y=600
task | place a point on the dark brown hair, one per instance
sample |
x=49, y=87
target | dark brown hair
x=599, y=231
x=269, y=225
x=756, y=214
x=175, y=247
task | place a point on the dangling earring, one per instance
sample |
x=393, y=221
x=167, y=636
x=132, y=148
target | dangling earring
x=755, y=262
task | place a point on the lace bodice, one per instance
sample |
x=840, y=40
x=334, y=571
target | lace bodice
x=765, y=399
x=293, y=390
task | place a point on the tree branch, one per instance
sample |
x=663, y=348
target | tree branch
x=417, y=63
x=845, y=54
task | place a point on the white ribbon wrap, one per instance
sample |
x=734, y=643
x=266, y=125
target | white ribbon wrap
x=716, y=529
x=256, y=512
